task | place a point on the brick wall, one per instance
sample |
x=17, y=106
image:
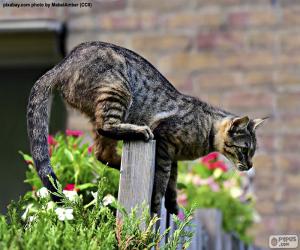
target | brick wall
x=242, y=55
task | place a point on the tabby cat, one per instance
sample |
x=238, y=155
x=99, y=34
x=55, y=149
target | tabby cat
x=126, y=98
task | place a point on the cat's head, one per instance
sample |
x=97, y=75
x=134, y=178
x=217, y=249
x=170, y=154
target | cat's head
x=235, y=139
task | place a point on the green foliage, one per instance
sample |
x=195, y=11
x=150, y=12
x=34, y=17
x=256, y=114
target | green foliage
x=209, y=184
x=74, y=163
x=93, y=227
x=86, y=219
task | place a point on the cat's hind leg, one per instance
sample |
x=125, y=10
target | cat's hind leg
x=171, y=193
x=113, y=102
x=105, y=151
x=164, y=154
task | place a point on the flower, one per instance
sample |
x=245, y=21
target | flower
x=71, y=187
x=71, y=195
x=108, y=199
x=51, y=140
x=182, y=199
x=42, y=192
x=210, y=157
x=74, y=133
x=90, y=149
x=64, y=213
x=181, y=216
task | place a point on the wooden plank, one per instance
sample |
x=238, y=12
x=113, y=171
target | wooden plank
x=137, y=174
x=212, y=223
x=163, y=223
x=226, y=241
x=198, y=241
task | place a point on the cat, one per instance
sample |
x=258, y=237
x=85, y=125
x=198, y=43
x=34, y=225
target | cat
x=126, y=98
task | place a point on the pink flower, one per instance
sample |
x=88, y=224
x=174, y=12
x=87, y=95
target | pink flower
x=90, y=149
x=214, y=186
x=210, y=157
x=74, y=133
x=182, y=199
x=51, y=140
x=181, y=216
x=71, y=187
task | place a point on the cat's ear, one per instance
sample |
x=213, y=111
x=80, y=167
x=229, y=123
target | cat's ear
x=258, y=122
x=239, y=123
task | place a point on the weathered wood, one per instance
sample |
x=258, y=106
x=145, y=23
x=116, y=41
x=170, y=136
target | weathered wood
x=137, y=174
x=226, y=241
x=212, y=223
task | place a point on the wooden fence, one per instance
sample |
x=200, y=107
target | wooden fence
x=136, y=183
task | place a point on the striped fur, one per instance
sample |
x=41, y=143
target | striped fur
x=126, y=98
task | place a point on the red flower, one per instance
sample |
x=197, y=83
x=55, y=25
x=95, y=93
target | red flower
x=90, y=149
x=71, y=187
x=212, y=162
x=74, y=133
x=51, y=140
x=210, y=157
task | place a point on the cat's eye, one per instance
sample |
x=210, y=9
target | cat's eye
x=244, y=150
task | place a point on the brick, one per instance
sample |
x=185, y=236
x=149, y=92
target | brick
x=258, y=78
x=293, y=181
x=127, y=22
x=190, y=20
x=289, y=123
x=158, y=5
x=294, y=223
x=266, y=143
x=244, y=101
x=289, y=143
x=266, y=207
x=261, y=40
x=220, y=40
x=183, y=62
x=161, y=43
x=244, y=18
x=201, y=3
x=291, y=59
x=290, y=41
x=291, y=16
x=286, y=77
x=249, y=60
x=288, y=102
x=217, y=81
x=288, y=162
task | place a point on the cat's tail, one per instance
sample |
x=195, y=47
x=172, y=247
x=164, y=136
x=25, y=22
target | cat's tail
x=37, y=128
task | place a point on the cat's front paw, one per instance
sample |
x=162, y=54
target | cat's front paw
x=146, y=131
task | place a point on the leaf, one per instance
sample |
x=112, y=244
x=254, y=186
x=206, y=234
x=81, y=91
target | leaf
x=86, y=186
x=69, y=154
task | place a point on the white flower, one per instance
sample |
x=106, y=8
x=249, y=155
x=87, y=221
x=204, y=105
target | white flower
x=50, y=205
x=108, y=199
x=71, y=195
x=24, y=215
x=42, y=192
x=64, y=213
x=236, y=192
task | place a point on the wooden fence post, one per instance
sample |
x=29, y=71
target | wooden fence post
x=137, y=174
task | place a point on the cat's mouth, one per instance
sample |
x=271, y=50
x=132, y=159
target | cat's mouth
x=242, y=167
